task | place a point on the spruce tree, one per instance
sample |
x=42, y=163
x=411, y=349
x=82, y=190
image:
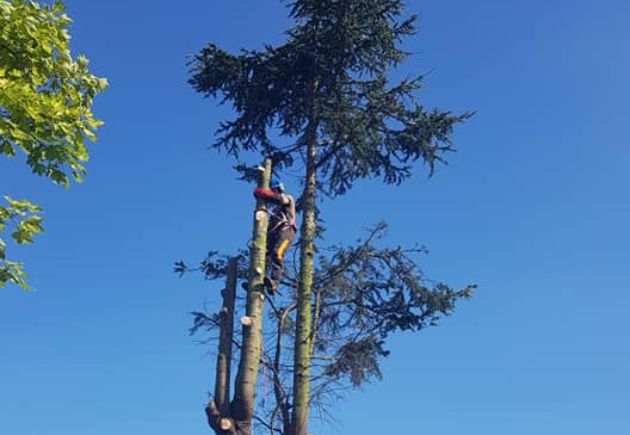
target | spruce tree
x=326, y=92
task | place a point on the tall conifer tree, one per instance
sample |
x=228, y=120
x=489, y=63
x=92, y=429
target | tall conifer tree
x=326, y=91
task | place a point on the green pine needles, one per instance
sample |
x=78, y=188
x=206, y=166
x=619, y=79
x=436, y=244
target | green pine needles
x=326, y=92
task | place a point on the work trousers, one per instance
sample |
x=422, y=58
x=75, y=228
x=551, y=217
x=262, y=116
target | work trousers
x=277, y=243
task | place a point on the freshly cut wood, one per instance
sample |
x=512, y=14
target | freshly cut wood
x=246, y=321
x=225, y=424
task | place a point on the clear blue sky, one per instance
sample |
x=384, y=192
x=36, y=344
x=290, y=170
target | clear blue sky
x=534, y=207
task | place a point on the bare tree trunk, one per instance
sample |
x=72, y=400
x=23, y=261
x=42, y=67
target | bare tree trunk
x=217, y=410
x=302, y=360
x=282, y=402
x=238, y=418
x=224, y=358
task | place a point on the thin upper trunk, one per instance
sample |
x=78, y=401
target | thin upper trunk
x=245, y=386
x=282, y=404
x=301, y=384
x=224, y=358
x=238, y=419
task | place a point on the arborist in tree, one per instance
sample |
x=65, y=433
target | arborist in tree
x=280, y=232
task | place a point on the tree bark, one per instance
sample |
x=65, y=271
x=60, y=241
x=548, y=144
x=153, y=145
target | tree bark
x=301, y=364
x=224, y=357
x=237, y=419
x=282, y=402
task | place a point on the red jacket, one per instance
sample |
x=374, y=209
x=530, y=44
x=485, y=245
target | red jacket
x=283, y=214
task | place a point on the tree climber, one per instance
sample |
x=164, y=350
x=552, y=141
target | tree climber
x=280, y=232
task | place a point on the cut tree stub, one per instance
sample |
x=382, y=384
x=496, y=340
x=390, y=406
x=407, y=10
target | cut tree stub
x=225, y=424
x=260, y=215
x=211, y=409
x=246, y=321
